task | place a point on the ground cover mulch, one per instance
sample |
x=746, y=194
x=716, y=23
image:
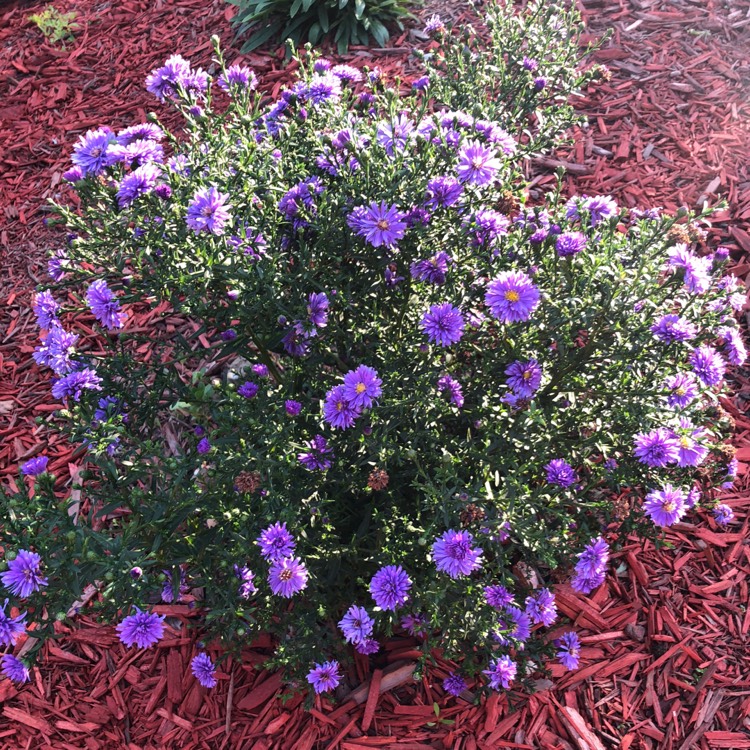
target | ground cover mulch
x=665, y=660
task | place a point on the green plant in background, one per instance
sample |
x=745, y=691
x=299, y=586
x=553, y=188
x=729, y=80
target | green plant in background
x=56, y=26
x=346, y=22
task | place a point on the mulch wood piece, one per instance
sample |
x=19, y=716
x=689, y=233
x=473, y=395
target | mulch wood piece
x=665, y=662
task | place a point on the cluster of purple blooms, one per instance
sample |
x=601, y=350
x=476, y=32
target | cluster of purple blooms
x=345, y=403
x=287, y=574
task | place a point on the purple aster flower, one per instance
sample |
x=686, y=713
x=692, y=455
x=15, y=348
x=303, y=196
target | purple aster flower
x=497, y=596
x=434, y=25
x=229, y=335
x=561, y=473
x=296, y=341
x=708, y=365
x=362, y=387
x=367, y=646
x=248, y=389
x=486, y=226
x=665, y=507
x=421, y=84
x=443, y=324
x=657, y=448
x=325, y=676
x=390, y=587
x=35, y=466
x=443, y=192
x=204, y=446
x=163, y=191
x=723, y=514
x=46, y=309
x=14, y=669
x=447, y=383
x=73, y=384
x=260, y=370
x=316, y=458
x=540, y=607
x=683, y=389
x=204, y=670
x=591, y=566
x=454, y=684
x=496, y=135
x=322, y=65
x=540, y=83
x=570, y=243
x=524, y=378
x=414, y=624
x=145, y=131
x=317, y=309
x=104, y=305
x=347, y=73
x=586, y=583
x=453, y=554
x=600, y=207
x=569, y=650
x=321, y=89
x=137, y=154
x=356, y=625
x=90, y=153
x=517, y=623
x=477, y=163
x=292, y=407
x=74, y=174
x=110, y=406
x=692, y=498
x=276, y=542
x=247, y=586
x=394, y=134
x=167, y=589
x=501, y=673
x=417, y=216
x=512, y=297
x=138, y=182
x=381, y=224
x=432, y=270
x=691, y=452
x=338, y=411
x=143, y=629
x=209, y=211
x=12, y=627
x=163, y=82
x=238, y=78
x=736, y=351
x=672, y=328
x=287, y=576
x=58, y=264
x=529, y=63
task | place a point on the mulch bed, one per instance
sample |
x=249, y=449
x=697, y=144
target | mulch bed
x=665, y=660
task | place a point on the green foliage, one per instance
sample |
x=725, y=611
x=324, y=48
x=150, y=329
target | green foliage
x=56, y=26
x=345, y=22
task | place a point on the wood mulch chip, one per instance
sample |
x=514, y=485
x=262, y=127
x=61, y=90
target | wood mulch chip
x=665, y=662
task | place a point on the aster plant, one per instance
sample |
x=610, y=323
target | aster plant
x=374, y=380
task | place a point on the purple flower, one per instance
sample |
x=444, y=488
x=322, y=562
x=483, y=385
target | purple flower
x=665, y=507
x=104, y=305
x=324, y=676
x=447, y=383
x=570, y=243
x=529, y=63
x=691, y=452
x=317, y=309
x=697, y=270
x=390, y=587
x=209, y=211
x=524, y=377
x=454, y=684
x=512, y=297
x=163, y=82
x=338, y=411
x=292, y=407
x=167, y=589
x=204, y=446
x=276, y=542
x=46, y=309
x=540, y=607
x=540, y=83
x=381, y=224
x=723, y=514
x=501, y=673
x=421, y=84
x=708, y=365
x=321, y=89
x=394, y=134
x=58, y=264
x=600, y=207
x=736, y=351
x=228, y=335
x=432, y=269
x=287, y=576
x=415, y=625
x=246, y=576
x=692, y=498
x=361, y=387
x=138, y=182
x=591, y=566
x=90, y=153
x=672, y=328
x=316, y=458
x=569, y=650
x=204, y=670
x=74, y=174
x=346, y=73
x=443, y=324
x=434, y=25
x=145, y=131
x=143, y=629
x=497, y=596
x=657, y=448
x=322, y=65
x=561, y=473
x=248, y=389
x=73, y=384
x=260, y=370
x=137, y=154
x=496, y=135
x=517, y=622
x=35, y=466
x=356, y=625
x=454, y=555
x=477, y=163
x=684, y=389
x=237, y=78
x=296, y=341
x=443, y=192
x=14, y=669
x=11, y=627
x=367, y=646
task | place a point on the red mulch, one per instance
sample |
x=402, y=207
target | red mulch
x=665, y=663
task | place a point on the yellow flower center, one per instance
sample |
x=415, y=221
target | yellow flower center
x=361, y=388
x=681, y=391
x=383, y=225
x=527, y=374
x=339, y=405
x=285, y=575
x=669, y=506
x=512, y=295
x=686, y=442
